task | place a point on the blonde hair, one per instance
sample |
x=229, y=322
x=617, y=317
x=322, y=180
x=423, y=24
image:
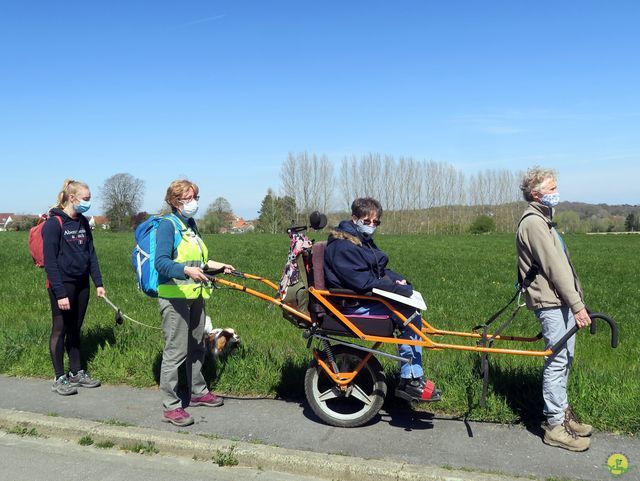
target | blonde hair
x=177, y=189
x=534, y=179
x=69, y=187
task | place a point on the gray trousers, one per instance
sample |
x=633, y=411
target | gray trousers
x=555, y=322
x=183, y=327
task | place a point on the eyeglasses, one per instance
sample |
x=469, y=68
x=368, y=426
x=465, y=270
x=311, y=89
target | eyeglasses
x=195, y=197
x=375, y=222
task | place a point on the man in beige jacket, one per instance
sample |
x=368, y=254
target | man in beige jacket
x=556, y=297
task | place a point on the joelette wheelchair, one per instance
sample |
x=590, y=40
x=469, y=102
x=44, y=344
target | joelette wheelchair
x=345, y=384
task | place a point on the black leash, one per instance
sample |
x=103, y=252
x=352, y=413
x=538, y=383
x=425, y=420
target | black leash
x=487, y=341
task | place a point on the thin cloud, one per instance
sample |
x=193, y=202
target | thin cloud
x=201, y=20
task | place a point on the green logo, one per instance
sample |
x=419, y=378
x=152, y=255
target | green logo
x=618, y=464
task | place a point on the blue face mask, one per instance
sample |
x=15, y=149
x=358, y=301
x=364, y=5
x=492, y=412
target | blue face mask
x=550, y=200
x=365, y=229
x=82, y=207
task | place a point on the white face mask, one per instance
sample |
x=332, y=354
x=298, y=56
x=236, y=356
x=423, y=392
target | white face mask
x=550, y=200
x=365, y=229
x=189, y=209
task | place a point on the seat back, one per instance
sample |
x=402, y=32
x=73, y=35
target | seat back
x=317, y=264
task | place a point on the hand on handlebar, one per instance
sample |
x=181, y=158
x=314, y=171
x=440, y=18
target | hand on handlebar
x=582, y=318
x=196, y=273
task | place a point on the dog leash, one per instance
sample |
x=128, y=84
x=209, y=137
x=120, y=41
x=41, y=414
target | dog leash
x=120, y=315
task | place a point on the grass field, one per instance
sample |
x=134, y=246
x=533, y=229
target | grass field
x=463, y=278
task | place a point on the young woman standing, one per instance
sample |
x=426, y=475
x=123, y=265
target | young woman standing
x=69, y=260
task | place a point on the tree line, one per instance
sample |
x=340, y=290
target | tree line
x=419, y=196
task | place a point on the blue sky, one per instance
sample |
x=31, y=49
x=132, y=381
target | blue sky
x=220, y=92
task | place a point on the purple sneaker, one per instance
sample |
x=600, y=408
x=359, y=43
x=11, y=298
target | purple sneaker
x=208, y=399
x=178, y=417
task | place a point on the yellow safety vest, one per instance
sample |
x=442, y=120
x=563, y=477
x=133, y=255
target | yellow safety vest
x=191, y=251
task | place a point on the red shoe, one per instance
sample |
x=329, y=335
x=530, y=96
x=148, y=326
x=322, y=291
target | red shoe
x=417, y=390
x=208, y=399
x=178, y=417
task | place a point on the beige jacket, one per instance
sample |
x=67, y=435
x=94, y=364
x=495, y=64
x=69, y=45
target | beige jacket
x=538, y=242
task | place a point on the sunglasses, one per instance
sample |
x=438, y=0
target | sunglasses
x=375, y=222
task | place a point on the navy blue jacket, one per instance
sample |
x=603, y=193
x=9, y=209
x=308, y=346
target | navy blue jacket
x=69, y=255
x=353, y=261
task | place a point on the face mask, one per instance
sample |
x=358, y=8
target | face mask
x=82, y=206
x=550, y=200
x=190, y=208
x=365, y=229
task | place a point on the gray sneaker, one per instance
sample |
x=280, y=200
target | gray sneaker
x=62, y=386
x=82, y=379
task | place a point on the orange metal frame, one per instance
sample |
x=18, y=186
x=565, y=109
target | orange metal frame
x=343, y=379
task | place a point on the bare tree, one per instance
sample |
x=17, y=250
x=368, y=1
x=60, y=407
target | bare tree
x=121, y=199
x=325, y=182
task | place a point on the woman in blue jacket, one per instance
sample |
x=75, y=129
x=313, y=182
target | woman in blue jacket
x=69, y=260
x=353, y=261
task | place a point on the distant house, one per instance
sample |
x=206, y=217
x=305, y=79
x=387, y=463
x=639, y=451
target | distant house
x=17, y=221
x=240, y=226
x=99, y=221
x=5, y=220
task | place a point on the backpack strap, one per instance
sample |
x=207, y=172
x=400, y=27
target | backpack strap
x=178, y=226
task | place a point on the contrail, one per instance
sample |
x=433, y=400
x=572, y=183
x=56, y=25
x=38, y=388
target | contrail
x=201, y=20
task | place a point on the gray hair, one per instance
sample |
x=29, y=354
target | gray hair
x=534, y=179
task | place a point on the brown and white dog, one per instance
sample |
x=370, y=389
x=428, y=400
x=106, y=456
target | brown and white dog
x=219, y=342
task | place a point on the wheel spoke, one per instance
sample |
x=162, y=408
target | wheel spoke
x=327, y=395
x=358, y=393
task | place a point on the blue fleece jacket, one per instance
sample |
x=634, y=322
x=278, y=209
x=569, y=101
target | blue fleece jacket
x=69, y=255
x=353, y=261
x=165, y=265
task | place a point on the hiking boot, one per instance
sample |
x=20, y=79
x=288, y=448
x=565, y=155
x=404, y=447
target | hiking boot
x=62, y=386
x=208, y=399
x=579, y=428
x=82, y=379
x=417, y=390
x=178, y=417
x=562, y=436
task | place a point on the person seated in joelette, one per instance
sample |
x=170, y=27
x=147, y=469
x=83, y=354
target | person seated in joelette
x=353, y=261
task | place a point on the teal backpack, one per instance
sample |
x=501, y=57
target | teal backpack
x=144, y=253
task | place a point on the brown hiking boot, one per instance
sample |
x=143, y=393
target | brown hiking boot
x=562, y=436
x=579, y=428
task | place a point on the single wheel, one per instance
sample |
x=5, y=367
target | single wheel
x=361, y=400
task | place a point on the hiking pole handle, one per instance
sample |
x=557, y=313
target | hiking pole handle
x=608, y=320
x=213, y=272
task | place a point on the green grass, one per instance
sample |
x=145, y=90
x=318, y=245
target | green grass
x=22, y=430
x=104, y=445
x=463, y=278
x=85, y=440
x=117, y=422
x=225, y=457
x=141, y=448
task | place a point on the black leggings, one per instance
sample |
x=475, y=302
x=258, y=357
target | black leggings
x=65, y=329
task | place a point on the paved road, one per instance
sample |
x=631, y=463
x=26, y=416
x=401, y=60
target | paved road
x=417, y=438
x=35, y=459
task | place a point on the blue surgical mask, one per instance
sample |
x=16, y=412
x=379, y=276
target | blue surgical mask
x=550, y=200
x=190, y=208
x=365, y=229
x=82, y=206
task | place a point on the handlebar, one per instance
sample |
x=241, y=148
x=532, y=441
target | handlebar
x=593, y=315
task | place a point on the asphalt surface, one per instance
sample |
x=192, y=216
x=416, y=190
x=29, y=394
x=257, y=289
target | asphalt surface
x=25, y=458
x=400, y=442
